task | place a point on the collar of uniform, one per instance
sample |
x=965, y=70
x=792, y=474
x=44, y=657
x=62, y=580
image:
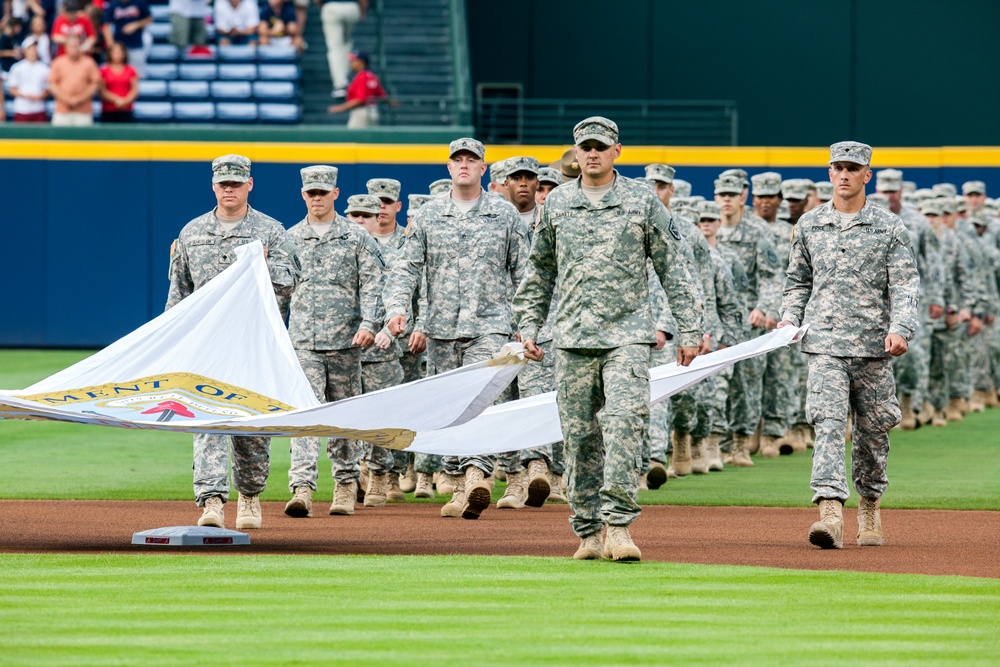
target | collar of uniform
x=336, y=228
x=239, y=230
x=453, y=211
x=612, y=198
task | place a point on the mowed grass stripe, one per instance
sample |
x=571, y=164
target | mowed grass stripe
x=165, y=610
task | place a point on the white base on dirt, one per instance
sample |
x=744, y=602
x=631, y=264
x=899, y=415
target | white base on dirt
x=190, y=536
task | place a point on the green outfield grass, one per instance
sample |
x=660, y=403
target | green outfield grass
x=956, y=467
x=218, y=610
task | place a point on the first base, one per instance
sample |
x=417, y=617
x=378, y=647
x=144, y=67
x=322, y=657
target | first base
x=190, y=536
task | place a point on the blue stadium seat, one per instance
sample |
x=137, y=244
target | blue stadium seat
x=162, y=53
x=153, y=112
x=238, y=53
x=232, y=90
x=162, y=71
x=161, y=13
x=274, y=91
x=194, y=112
x=197, y=71
x=96, y=106
x=152, y=90
x=236, y=112
x=277, y=53
x=160, y=32
x=237, y=72
x=278, y=72
x=189, y=90
x=206, y=54
x=279, y=113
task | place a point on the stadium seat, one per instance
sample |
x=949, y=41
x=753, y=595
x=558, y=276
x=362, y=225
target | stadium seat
x=161, y=71
x=189, y=90
x=200, y=54
x=160, y=13
x=274, y=91
x=197, y=71
x=160, y=32
x=194, y=112
x=96, y=105
x=237, y=72
x=279, y=113
x=153, y=112
x=232, y=90
x=238, y=53
x=277, y=53
x=162, y=53
x=152, y=90
x=278, y=72
x=236, y=112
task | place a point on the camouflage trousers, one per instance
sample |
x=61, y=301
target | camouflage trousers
x=657, y=440
x=377, y=375
x=979, y=359
x=961, y=377
x=446, y=355
x=744, y=395
x=334, y=375
x=911, y=369
x=718, y=400
x=995, y=355
x=251, y=457
x=603, y=400
x=945, y=345
x=413, y=365
x=777, y=388
x=797, y=399
x=866, y=386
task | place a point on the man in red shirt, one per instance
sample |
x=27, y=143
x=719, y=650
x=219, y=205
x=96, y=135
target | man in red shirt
x=362, y=94
x=72, y=21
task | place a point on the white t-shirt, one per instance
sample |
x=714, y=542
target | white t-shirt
x=244, y=15
x=30, y=78
x=320, y=228
x=595, y=193
x=465, y=206
x=529, y=217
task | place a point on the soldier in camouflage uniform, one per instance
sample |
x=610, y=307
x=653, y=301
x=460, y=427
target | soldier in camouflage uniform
x=204, y=248
x=591, y=245
x=498, y=179
x=985, y=361
x=335, y=312
x=471, y=247
x=440, y=187
x=852, y=278
x=548, y=180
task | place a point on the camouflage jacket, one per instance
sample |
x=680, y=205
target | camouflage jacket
x=390, y=253
x=927, y=251
x=760, y=261
x=852, y=286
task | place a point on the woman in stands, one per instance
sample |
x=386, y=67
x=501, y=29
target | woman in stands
x=119, y=86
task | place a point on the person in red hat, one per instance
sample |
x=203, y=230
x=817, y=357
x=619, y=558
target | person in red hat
x=363, y=93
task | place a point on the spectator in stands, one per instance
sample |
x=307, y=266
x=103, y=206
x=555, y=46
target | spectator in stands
x=73, y=80
x=10, y=45
x=339, y=18
x=187, y=24
x=96, y=16
x=29, y=84
x=42, y=39
x=236, y=21
x=119, y=86
x=125, y=21
x=72, y=21
x=362, y=95
x=278, y=25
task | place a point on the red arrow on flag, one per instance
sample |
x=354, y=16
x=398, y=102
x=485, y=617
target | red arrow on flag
x=168, y=410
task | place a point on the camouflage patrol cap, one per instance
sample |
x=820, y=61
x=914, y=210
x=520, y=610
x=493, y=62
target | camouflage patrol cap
x=597, y=128
x=682, y=202
x=931, y=206
x=973, y=188
x=498, y=172
x=889, y=180
x=231, y=168
x=824, y=190
x=708, y=210
x=945, y=190
x=910, y=198
x=663, y=173
x=978, y=218
x=696, y=198
x=688, y=213
x=879, y=199
x=384, y=188
x=550, y=175
x=795, y=188
x=681, y=188
x=851, y=151
x=909, y=186
x=947, y=204
x=522, y=163
x=646, y=182
x=960, y=204
x=415, y=202
x=440, y=186
x=319, y=177
x=738, y=173
x=469, y=144
x=728, y=184
x=784, y=213
x=923, y=194
x=363, y=204
x=767, y=184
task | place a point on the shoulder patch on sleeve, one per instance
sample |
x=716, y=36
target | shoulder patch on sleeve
x=290, y=249
x=904, y=237
x=772, y=257
x=173, y=249
x=672, y=228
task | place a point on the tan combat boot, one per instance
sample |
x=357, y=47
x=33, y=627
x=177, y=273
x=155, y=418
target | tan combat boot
x=619, y=545
x=753, y=440
x=344, y=497
x=978, y=401
x=699, y=462
x=378, y=486
x=393, y=490
x=453, y=508
x=808, y=435
x=213, y=513
x=516, y=491
x=741, y=456
x=408, y=482
x=301, y=504
x=478, y=493
x=909, y=421
x=939, y=419
x=926, y=415
x=657, y=475
x=445, y=483
x=769, y=447
x=591, y=547
x=671, y=473
x=869, y=523
x=963, y=405
x=786, y=443
x=828, y=532
x=643, y=483
x=797, y=438
x=953, y=412
x=248, y=512
x=425, y=486
x=992, y=400
x=539, y=484
x=501, y=475
x=680, y=458
x=558, y=493
x=713, y=454
x=362, y=483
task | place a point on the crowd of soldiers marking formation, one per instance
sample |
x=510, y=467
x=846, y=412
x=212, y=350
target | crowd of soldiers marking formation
x=371, y=304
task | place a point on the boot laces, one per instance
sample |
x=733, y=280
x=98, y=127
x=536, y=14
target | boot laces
x=868, y=516
x=829, y=511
